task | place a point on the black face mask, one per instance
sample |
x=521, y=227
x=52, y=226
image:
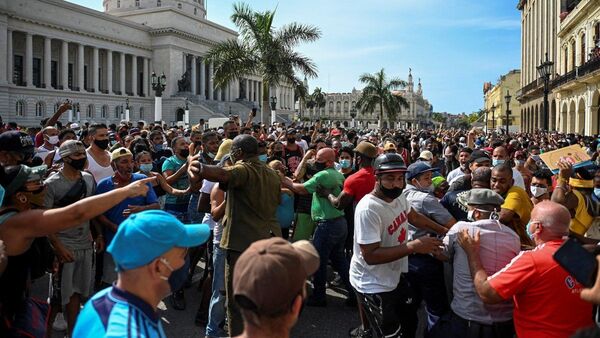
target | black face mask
x=232, y=135
x=291, y=140
x=390, y=193
x=78, y=164
x=102, y=144
x=320, y=166
x=184, y=153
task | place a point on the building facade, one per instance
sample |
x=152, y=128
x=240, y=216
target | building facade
x=53, y=50
x=569, y=30
x=495, y=103
x=341, y=106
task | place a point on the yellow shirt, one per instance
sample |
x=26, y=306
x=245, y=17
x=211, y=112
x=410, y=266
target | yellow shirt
x=582, y=220
x=518, y=201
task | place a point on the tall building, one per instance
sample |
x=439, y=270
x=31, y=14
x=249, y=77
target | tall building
x=569, y=31
x=495, y=103
x=341, y=106
x=52, y=50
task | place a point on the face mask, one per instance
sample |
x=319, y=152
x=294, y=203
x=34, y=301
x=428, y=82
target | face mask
x=233, y=134
x=177, y=277
x=519, y=162
x=537, y=191
x=146, y=167
x=497, y=162
x=427, y=189
x=597, y=192
x=262, y=158
x=158, y=147
x=102, y=144
x=53, y=139
x=184, y=153
x=345, y=164
x=470, y=216
x=36, y=199
x=2, y=192
x=529, y=231
x=320, y=165
x=392, y=193
x=211, y=155
x=78, y=164
x=291, y=140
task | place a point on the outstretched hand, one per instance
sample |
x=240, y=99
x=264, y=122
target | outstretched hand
x=139, y=187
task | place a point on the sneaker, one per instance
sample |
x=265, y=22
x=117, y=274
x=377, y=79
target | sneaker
x=316, y=302
x=359, y=332
x=178, y=300
x=60, y=324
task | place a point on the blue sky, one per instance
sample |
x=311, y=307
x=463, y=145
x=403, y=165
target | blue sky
x=452, y=45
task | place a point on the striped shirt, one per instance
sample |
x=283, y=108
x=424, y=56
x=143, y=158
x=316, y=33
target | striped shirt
x=113, y=312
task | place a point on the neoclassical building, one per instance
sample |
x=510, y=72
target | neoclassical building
x=495, y=102
x=341, y=106
x=569, y=31
x=52, y=50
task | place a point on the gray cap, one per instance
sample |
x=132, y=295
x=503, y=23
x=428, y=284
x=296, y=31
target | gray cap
x=71, y=147
x=484, y=197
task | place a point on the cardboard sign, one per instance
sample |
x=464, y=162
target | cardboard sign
x=573, y=154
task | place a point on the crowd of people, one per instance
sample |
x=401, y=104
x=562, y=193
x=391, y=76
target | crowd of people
x=462, y=223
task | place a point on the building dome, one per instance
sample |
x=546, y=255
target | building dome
x=193, y=7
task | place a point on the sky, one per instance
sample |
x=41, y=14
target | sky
x=454, y=46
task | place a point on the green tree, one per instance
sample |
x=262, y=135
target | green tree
x=378, y=93
x=439, y=117
x=317, y=100
x=263, y=50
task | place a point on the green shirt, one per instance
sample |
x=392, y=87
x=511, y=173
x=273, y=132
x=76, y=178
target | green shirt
x=321, y=208
x=252, y=195
x=173, y=163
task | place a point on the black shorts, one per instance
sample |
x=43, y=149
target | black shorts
x=390, y=314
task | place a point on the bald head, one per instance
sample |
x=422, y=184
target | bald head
x=327, y=156
x=500, y=153
x=554, y=217
x=480, y=178
x=247, y=144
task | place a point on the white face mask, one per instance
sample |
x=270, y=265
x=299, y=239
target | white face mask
x=470, y=216
x=537, y=191
x=53, y=139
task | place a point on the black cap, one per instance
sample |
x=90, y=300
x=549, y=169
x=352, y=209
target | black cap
x=390, y=162
x=15, y=140
x=479, y=156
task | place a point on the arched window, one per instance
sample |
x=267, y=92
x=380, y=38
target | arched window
x=583, y=50
x=104, y=112
x=39, y=109
x=158, y=4
x=137, y=3
x=20, y=108
x=118, y=112
x=179, y=6
x=331, y=107
x=141, y=113
x=90, y=111
x=195, y=11
x=118, y=3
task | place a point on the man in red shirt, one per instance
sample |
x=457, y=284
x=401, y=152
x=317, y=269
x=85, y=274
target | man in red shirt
x=547, y=302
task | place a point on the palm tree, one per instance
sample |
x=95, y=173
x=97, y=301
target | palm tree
x=318, y=99
x=301, y=94
x=378, y=93
x=263, y=50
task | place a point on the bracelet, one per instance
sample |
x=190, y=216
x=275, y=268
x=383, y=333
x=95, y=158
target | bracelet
x=562, y=180
x=561, y=187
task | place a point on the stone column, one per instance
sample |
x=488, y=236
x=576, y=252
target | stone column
x=80, y=67
x=47, y=62
x=29, y=59
x=194, y=78
x=247, y=85
x=122, y=74
x=219, y=94
x=145, y=78
x=64, y=65
x=134, y=75
x=95, y=71
x=203, y=79
x=211, y=84
x=9, y=57
x=109, y=71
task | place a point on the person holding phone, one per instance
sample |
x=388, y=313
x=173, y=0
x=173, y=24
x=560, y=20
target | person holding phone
x=546, y=296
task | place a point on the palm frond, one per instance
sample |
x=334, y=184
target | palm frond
x=294, y=33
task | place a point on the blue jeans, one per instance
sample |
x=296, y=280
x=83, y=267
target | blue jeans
x=329, y=240
x=216, y=310
x=194, y=215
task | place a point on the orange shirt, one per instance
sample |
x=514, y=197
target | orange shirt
x=547, y=302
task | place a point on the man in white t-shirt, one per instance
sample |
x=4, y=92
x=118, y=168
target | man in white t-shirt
x=381, y=248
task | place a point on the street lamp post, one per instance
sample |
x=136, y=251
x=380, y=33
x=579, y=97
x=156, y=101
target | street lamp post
x=545, y=70
x=127, y=109
x=353, y=116
x=186, y=116
x=158, y=85
x=273, y=107
x=78, y=110
x=493, y=117
x=507, y=98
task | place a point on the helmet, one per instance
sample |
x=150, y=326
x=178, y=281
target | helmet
x=386, y=163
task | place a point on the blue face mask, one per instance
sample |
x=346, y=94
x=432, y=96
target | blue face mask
x=158, y=147
x=262, y=158
x=497, y=162
x=597, y=192
x=146, y=167
x=345, y=164
x=2, y=192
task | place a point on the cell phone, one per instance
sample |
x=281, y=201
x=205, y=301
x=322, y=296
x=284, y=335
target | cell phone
x=577, y=261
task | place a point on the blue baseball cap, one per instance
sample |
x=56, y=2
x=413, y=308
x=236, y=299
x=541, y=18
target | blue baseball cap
x=417, y=169
x=145, y=236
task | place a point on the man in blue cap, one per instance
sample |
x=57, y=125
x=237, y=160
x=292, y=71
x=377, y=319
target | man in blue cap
x=149, y=250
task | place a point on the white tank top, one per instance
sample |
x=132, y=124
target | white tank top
x=99, y=172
